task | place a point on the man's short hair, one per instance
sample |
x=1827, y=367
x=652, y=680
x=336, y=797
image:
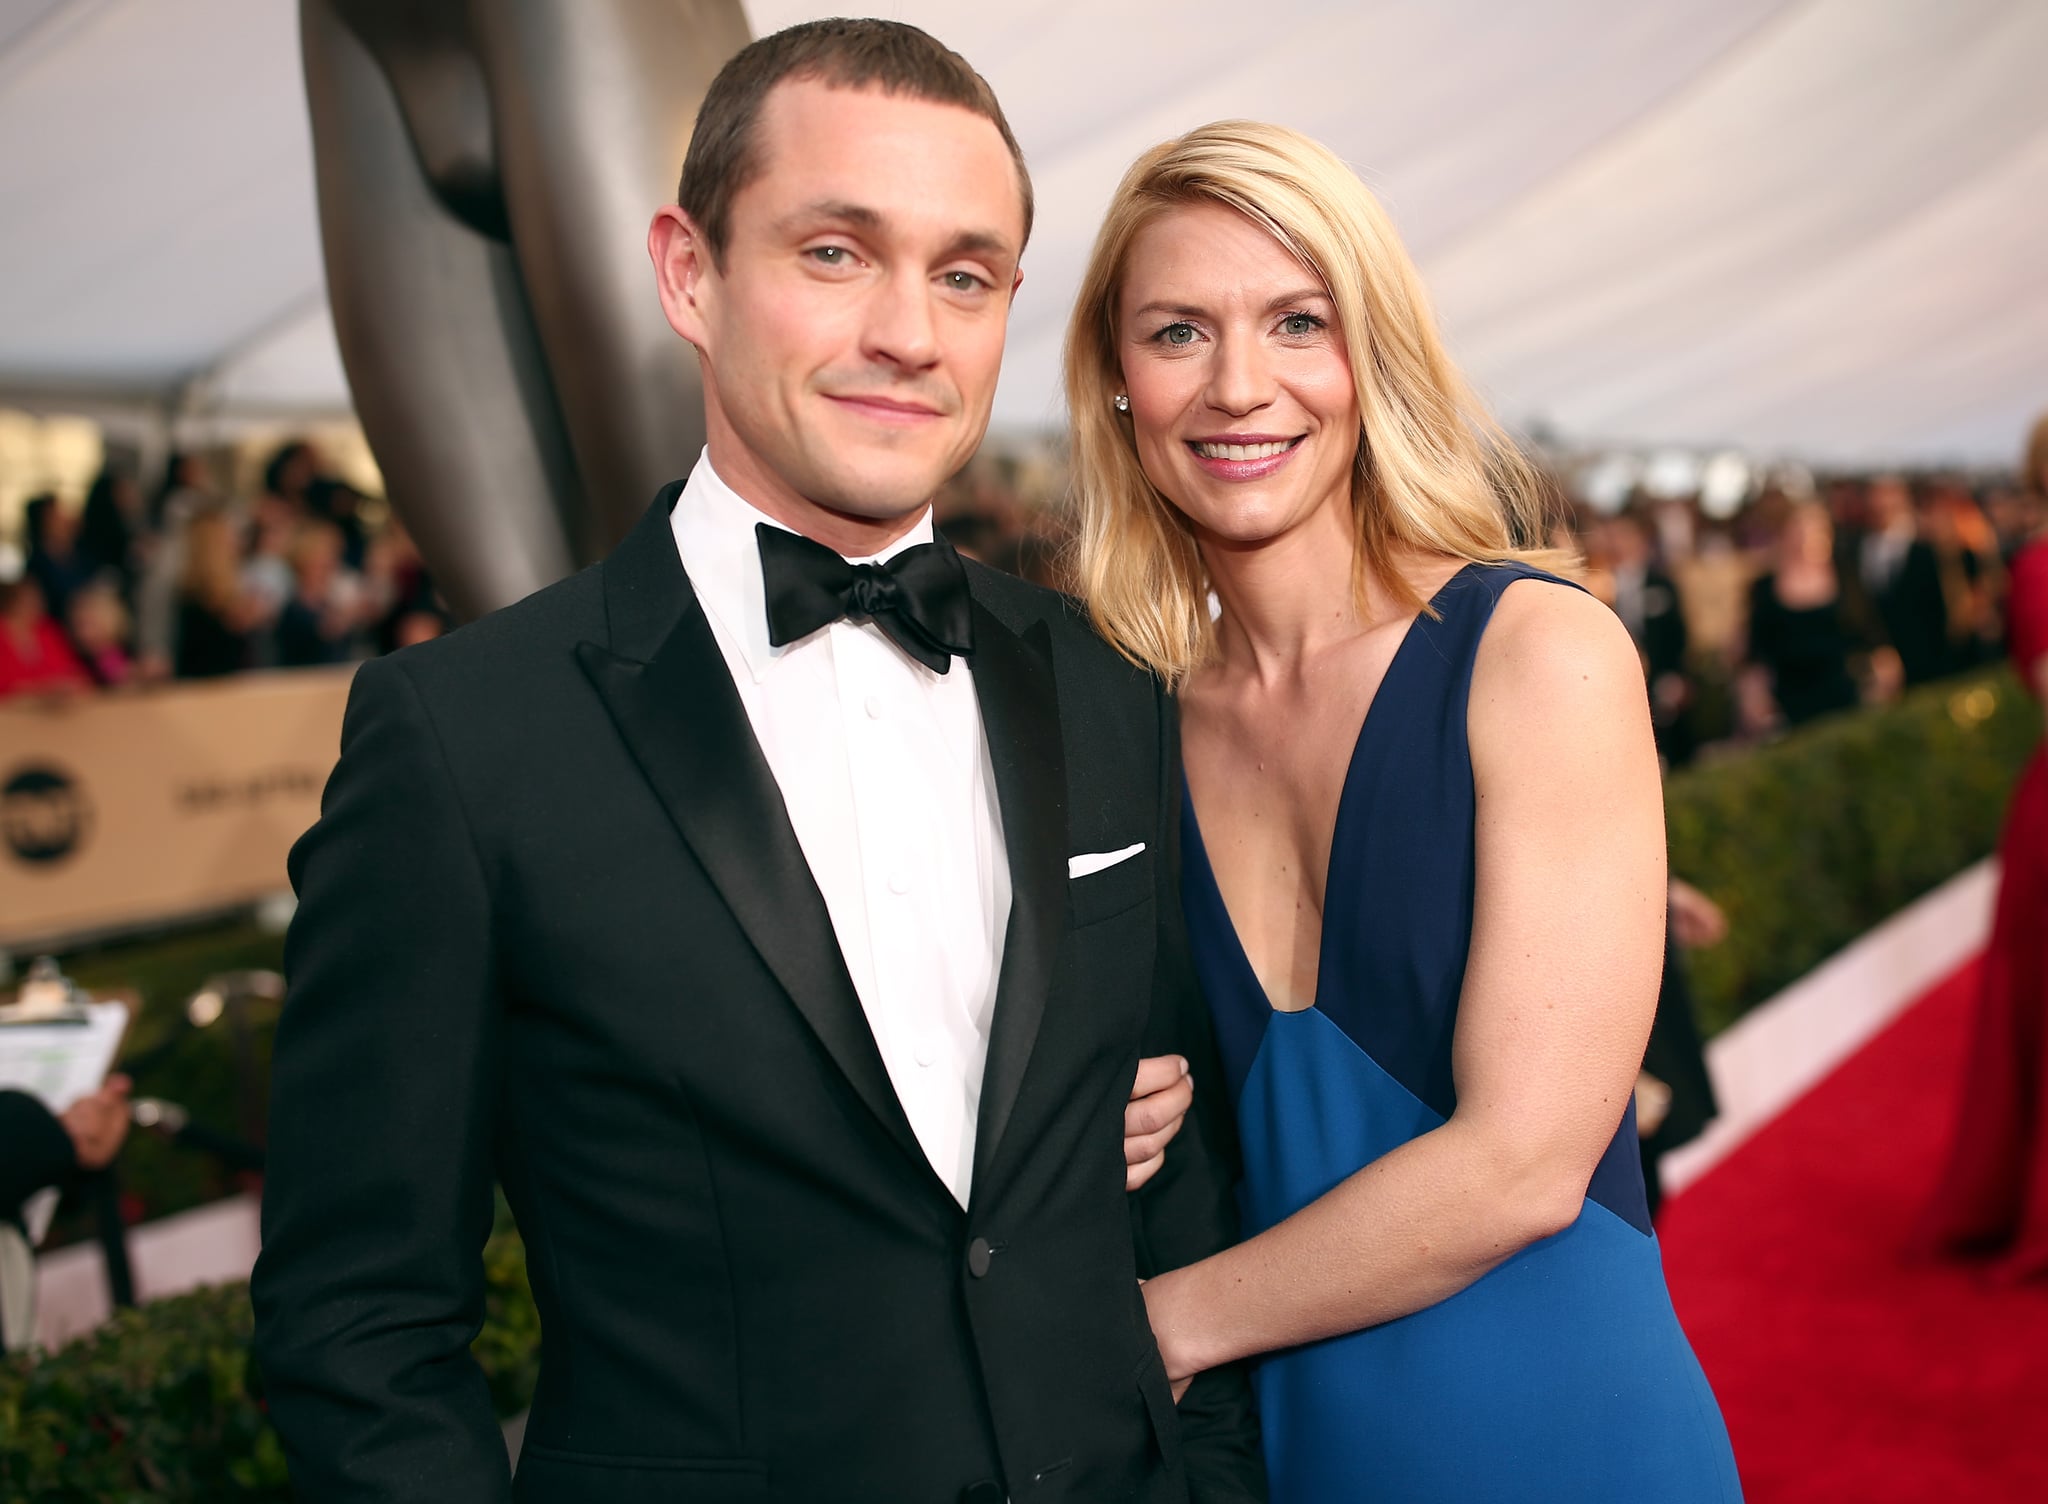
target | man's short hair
x=848, y=54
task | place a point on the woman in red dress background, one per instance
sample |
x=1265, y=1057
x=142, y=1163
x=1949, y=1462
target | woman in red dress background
x=1993, y=1197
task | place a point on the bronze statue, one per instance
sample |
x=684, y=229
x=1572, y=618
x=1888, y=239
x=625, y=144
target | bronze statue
x=485, y=173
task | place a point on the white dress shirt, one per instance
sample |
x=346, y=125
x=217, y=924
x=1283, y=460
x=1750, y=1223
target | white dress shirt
x=884, y=770
x=1883, y=553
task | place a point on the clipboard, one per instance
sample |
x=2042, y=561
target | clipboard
x=57, y=1059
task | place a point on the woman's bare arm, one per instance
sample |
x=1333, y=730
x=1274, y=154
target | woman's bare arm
x=1560, y=986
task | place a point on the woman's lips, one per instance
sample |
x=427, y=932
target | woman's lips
x=1243, y=457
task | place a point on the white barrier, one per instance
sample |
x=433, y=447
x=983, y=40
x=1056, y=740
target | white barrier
x=1776, y=1052
x=208, y=1245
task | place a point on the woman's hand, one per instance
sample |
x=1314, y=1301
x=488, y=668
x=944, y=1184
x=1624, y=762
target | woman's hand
x=1160, y=1098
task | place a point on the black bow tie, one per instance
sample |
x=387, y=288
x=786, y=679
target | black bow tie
x=919, y=597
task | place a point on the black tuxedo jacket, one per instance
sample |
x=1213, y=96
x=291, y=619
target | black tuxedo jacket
x=555, y=928
x=1664, y=636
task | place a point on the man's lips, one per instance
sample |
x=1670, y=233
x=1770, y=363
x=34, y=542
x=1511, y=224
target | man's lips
x=886, y=409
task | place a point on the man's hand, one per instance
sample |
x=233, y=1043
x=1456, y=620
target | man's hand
x=1160, y=1099
x=98, y=1123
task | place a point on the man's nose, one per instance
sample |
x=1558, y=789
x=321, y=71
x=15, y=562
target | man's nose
x=900, y=328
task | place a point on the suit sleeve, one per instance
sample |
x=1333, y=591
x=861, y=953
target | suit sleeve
x=377, y=1197
x=35, y=1151
x=1189, y=1209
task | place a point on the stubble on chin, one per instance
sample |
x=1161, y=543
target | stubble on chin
x=884, y=489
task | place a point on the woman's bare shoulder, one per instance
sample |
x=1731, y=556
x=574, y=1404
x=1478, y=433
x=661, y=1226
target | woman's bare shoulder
x=1553, y=656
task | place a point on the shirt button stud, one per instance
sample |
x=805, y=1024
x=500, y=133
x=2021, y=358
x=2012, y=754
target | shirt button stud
x=873, y=706
x=925, y=1052
x=899, y=883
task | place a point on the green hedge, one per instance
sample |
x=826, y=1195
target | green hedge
x=1814, y=839
x=166, y=1404
x=159, y=1404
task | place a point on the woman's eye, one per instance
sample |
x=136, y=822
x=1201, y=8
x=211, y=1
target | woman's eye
x=1178, y=334
x=1300, y=325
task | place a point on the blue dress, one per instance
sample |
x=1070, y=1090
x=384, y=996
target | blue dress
x=1561, y=1375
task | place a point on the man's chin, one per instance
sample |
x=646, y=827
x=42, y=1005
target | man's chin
x=879, y=494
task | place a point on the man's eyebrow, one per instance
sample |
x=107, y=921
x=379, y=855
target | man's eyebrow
x=836, y=210
x=989, y=243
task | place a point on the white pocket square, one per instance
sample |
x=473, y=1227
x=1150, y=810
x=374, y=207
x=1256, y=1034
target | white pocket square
x=1095, y=861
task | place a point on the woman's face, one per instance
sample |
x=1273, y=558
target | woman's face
x=1808, y=537
x=1242, y=403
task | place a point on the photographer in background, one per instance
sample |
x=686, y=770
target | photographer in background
x=39, y=1148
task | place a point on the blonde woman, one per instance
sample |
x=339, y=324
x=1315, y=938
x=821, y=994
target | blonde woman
x=215, y=615
x=1423, y=855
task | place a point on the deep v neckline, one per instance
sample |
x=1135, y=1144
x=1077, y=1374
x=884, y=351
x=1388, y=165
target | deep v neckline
x=1239, y=956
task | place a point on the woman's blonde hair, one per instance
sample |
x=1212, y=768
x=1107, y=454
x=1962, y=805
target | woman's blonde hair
x=211, y=574
x=1433, y=473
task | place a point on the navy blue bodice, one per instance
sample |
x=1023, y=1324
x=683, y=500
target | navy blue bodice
x=1402, y=853
x=1561, y=1375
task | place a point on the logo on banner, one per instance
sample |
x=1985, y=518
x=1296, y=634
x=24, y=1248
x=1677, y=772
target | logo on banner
x=44, y=814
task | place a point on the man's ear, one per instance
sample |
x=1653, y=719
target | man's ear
x=1016, y=282
x=684, y=274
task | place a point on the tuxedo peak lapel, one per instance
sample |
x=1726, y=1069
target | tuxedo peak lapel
x=1013, y=679
x=646, y=591
x=665, y=684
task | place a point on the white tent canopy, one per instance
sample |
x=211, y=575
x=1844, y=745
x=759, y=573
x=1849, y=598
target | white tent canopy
x=1815, y=228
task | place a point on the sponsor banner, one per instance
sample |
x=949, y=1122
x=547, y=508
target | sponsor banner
x=133, y=809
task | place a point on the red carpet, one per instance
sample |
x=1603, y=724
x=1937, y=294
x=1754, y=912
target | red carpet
x=1845, y=1372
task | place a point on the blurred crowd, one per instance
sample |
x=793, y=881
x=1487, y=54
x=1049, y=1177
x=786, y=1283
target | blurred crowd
x=1810, y=599
x=1814, y=596
x=183, y=582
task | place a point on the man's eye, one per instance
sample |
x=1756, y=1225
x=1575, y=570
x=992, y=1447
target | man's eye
x=830, y=255
x=963, y=281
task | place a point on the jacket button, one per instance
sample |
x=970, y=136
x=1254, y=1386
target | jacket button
x=979, y=1256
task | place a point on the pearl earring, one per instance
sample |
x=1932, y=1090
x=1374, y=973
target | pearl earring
x=1123, y=403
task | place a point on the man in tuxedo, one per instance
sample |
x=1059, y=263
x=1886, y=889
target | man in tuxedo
x=1647, y=601
x=779, y=910
x=1898, y=577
